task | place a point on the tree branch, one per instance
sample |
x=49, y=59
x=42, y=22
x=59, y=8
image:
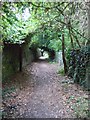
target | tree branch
x=76, y=38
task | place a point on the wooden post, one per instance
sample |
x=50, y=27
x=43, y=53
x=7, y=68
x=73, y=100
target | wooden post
x=20, y=58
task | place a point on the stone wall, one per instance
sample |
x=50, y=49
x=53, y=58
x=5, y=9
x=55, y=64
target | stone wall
x=28, y=56
x=11, y=59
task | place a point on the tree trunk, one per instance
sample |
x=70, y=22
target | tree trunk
x=76, y=39
x=63, y=54
x=20, y=58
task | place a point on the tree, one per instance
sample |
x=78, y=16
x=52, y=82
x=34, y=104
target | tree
x=63, y=54
x=46, y=23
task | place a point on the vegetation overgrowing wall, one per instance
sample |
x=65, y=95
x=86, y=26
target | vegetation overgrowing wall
x=27, y=56
x=79, y=60
x=11, y=59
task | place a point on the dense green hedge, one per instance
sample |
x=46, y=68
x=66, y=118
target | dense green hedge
x=79, y=65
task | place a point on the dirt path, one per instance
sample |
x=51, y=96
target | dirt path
x=41, y=93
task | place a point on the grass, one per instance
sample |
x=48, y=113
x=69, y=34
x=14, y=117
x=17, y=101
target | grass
x=52, y=62
x=61, y=71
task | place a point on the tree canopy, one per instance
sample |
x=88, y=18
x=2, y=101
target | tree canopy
x=46, y=21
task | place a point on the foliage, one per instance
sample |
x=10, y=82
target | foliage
x=81, y=108
x=15, y=26
x=43, y=27
x=78, y=63
x=8, y=90
x=61, y=71
x=47, y=21
x=56, y=19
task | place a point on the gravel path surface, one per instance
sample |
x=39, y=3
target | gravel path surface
x=41, y=93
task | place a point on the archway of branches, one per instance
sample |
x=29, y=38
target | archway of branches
x=50, y=53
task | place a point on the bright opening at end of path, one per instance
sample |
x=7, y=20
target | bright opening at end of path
x=45, y=56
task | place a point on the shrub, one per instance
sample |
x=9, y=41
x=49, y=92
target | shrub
x=78, y=65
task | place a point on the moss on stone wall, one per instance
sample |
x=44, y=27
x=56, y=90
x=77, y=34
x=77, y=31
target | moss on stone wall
x=10, y=59
x=27, y=55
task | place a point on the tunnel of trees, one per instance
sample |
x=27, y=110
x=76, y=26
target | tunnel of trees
x=50, y=52
x=51, y=26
